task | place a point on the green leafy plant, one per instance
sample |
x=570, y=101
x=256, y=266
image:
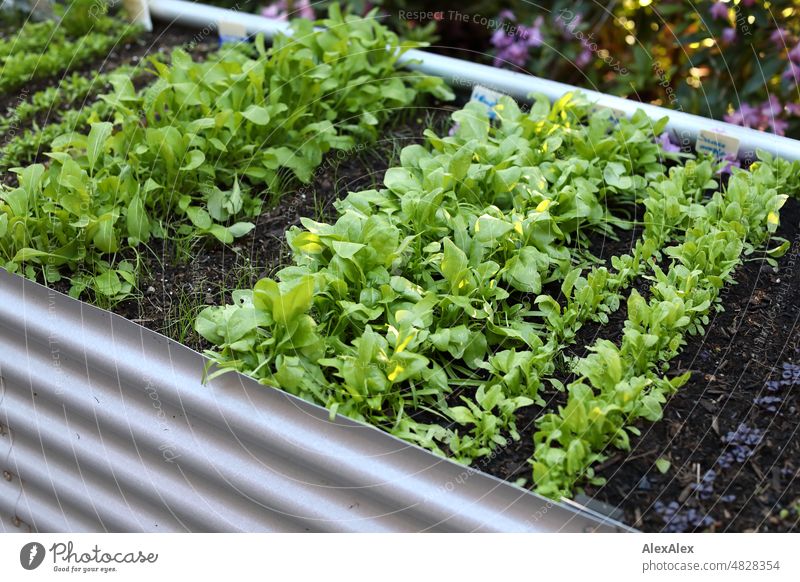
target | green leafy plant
x=419, y=293
x=42, y=51
x=618, y=385
x=196, y=152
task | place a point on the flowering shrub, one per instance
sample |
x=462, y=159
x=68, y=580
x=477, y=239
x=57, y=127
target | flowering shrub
x=285, y=9
x=692, y=56
x=737, y=60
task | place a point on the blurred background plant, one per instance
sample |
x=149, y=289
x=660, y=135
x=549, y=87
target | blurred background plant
x=737, y=60
x=77, y=17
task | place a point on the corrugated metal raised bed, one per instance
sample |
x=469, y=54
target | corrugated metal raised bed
x=107, y=426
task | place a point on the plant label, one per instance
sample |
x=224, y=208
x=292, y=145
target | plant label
x=488, y=97
x=138, y=12
x=231, y=32
x=717, y=144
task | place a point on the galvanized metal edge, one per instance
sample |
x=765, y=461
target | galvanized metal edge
x=686, y=127
x=107, y=426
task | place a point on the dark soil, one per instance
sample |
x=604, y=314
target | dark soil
x=511, y=462
x=745, y=346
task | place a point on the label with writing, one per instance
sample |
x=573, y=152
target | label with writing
x=488, y=97
x=231, y=31
x=716, y=144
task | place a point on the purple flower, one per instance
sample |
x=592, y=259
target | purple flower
x=730, y=162
x=705, y=488
x=304, y=9
x=769, y=402
x=790, y=373
x=770, y=110
x=568, y=27
x=517, y=54
x=501, y=40
x=792, y=73
x=276, y=11
x=741, y=444
x=513, y=48
x=765, y=116
x=719, y=11
x=584, y=58
x=779, y=126
x=793, y=109
x=678, y=521
x=746, y=116
x=794, y=54
x=506, y=14
x=280, y=11
x=533, y=34
x=773, y=385
x=666, y=144
x=778, y=37
x=771, y=107
x=728, y=35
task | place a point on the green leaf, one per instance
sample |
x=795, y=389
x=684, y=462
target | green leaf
x=614, y=175
x=136, y=220
x=506, y=180
x=454, y=262
x=240, y=228
x=196, y=159
x=208, y=323
x=287, y=303
x=108, y=283
x=662, y=465
x=461, y=414
x=199, y=217
x=347, y=250
x=489, y=229
x=522, y=270
x=256, y=114
x=105, y=237
x=221, y=233
x=400, y=181
x=27, y=254
x=98, y=136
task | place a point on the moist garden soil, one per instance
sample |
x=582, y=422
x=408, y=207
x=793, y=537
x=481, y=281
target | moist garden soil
x=744, y=347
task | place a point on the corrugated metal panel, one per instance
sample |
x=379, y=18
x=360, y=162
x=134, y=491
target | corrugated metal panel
x=108, y=427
